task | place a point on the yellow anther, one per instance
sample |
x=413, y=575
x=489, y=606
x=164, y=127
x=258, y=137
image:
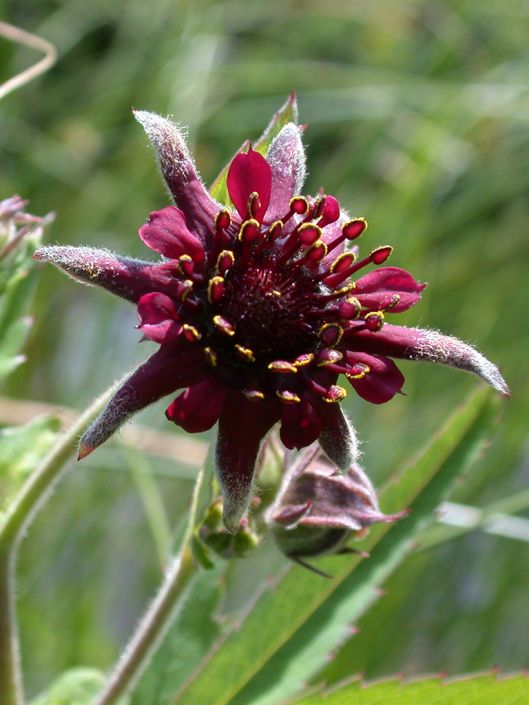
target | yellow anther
x=245, y=353
x=223, y=325
x=345, y=289
x=365, y=369
x=249, y=230
x=225, y=261
x=374, y=320
x=309, y=233
x=331, y=358
x=211, y=356
x=288, y=397
x=331, y=333
x=215, y=289
x=335, y=394
x=342, y=262
x=191, y=333
x=253, y=394
x=282, y=367
x=187, y=286
x=303, y=360
x=299, y=205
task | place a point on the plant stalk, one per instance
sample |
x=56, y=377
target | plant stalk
x=10, y=676
x=16, y=521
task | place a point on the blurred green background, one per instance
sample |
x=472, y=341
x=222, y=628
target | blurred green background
x=418, y=116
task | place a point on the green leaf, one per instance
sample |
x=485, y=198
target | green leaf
x=288, y=112
x=189, y=638
x=305, y=617
x=16, y=289
x=78, y=686
x=481, y=689
x=21, y=449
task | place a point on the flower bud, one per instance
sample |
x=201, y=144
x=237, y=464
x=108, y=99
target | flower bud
x=318, y=509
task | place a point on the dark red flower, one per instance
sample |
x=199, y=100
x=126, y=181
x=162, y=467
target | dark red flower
x=257, y=310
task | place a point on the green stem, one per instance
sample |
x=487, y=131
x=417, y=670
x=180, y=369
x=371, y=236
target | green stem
x=10, y=677
x=159, y=616
x=18, y=517
x=151, y=629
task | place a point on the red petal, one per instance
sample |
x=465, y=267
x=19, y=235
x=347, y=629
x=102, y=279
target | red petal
x=300, y=425
x=158, y=317
x=199, y=407
x=383, y=380
x=376, y=289
x=170, y=368
x=166, y=232
x=249, y=172
x=242, y=426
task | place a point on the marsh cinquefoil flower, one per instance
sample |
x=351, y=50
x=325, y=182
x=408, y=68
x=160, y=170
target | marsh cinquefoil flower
x=258, y=308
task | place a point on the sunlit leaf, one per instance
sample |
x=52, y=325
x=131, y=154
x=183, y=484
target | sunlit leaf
x=21, y=449
x=485, y=689
x=78, y=686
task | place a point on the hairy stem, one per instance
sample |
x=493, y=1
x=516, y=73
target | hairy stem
x=18, y=517
x=10, y=680
x=151, y=629
x=158, y=617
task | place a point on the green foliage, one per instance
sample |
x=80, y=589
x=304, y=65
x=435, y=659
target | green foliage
x=470, y=690
x=190, y=637
x=305, y=617
x=21, y=449
x=79, y=686
x=16, y=288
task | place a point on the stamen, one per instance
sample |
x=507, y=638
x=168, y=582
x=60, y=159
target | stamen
x=225, y=261
x=223, y=220
x=381, y=254
x=245, y=353
x=298, y=205
x=358, y=371
x=249, y=230
x=354, y=228
x=192, y=334
x=331, y=394
x=275, y=231
x=303, y=360
x=216, y=289
x=327, y=210
x=331, y=334
x=211, y=357
x=374, y=321
x=395, y=298
x=254, y=204
x=342, y=262
x=335, y=394
x=183, y=289
x=186, y=265
x=309, y=233
x=253, y=394
x=282, y=367
x=350, y=308
x=328, y=356
x=377, y=256
x=223, y=325
x=288, y=397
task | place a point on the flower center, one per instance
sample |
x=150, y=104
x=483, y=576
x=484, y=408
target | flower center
x=266, y=308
